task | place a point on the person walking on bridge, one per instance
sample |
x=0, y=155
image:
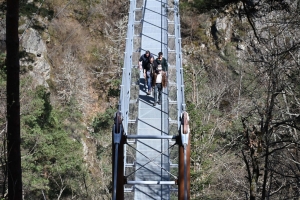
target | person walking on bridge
x=159, y=82
x=148, y=73
x=160, y=60
x=143, y=62
x=144, y=59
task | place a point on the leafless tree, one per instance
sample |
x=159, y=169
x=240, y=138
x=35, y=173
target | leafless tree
x=271, y=125
x=72, y=81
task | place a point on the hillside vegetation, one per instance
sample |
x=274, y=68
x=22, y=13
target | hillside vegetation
x=71, y=57
x=242, y=84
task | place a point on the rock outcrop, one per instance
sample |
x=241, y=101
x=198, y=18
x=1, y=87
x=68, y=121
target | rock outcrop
x=35, y=48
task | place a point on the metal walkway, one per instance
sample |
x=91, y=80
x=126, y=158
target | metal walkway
x=151, y=145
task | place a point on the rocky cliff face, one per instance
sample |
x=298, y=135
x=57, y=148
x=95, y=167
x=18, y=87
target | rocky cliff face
x=245, y=28
x=32, y=43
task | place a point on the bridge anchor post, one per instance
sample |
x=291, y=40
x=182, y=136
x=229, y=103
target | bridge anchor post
x=118, y=140
x=184, y=158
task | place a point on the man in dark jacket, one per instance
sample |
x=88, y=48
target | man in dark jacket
x=144, y=59
x=160, y=60
x=143, y=63
x=148, y=73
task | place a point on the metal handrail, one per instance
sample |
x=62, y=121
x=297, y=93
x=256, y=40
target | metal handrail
x=126, y=76
x=181, y=106
x=151, y=182
x=126, y=80
x=179, y=75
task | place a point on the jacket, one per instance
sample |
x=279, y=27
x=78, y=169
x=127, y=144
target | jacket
x=145, y=60
x=163, y=63
x=150, y=67
x=163, y=81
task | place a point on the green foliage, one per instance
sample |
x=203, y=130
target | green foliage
x=113, y=92
x=114, y=88
x=29, y=9
x=183, y=5
x=51, y=159
x=102, y=125
x=82, y=12
x=103, y=121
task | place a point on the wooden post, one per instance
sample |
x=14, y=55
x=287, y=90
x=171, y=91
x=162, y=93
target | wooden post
x=118, y=141
x=184, y=159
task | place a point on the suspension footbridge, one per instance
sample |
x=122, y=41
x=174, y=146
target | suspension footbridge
x=151, y=144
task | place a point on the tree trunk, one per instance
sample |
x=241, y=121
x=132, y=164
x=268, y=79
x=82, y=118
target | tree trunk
x=13, y=102
x=255, y=175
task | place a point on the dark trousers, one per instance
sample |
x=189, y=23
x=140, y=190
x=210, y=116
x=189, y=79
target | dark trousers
x=157, y=89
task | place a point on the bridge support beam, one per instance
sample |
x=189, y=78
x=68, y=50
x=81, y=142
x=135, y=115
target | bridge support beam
x=118, y=140
x=184, y=159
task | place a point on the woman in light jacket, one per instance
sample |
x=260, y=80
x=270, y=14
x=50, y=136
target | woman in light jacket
x=159, y=81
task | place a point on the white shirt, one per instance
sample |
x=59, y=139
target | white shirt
x=158, y=78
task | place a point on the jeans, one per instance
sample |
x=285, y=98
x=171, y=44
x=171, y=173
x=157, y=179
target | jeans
x=149, y=81
x=157, y=89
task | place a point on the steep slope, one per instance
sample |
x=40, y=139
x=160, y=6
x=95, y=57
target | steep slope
x=241, y=75
x=71, y=59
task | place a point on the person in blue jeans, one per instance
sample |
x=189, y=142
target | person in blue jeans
x=148, y=73
x=144, y=61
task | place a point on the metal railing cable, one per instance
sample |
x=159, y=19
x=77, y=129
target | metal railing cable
x=151, y=160
x=179, y=74
x=125, y=86
x=126, y=76
x=181, y=106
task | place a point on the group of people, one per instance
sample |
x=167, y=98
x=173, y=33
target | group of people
x=155, y=74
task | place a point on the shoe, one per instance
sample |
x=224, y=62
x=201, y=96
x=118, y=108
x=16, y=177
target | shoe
x=148, y=93
x=158, y=103
x=154, y=104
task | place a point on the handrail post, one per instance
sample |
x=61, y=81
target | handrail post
x=118, y=140
x=184, y=159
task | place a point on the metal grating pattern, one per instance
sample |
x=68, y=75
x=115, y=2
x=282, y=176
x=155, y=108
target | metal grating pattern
x=150, y=164
x=152, y=154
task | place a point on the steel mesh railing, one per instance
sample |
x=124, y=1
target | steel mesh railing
x=179, y=69
x=127, y=66
x=127, y=74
